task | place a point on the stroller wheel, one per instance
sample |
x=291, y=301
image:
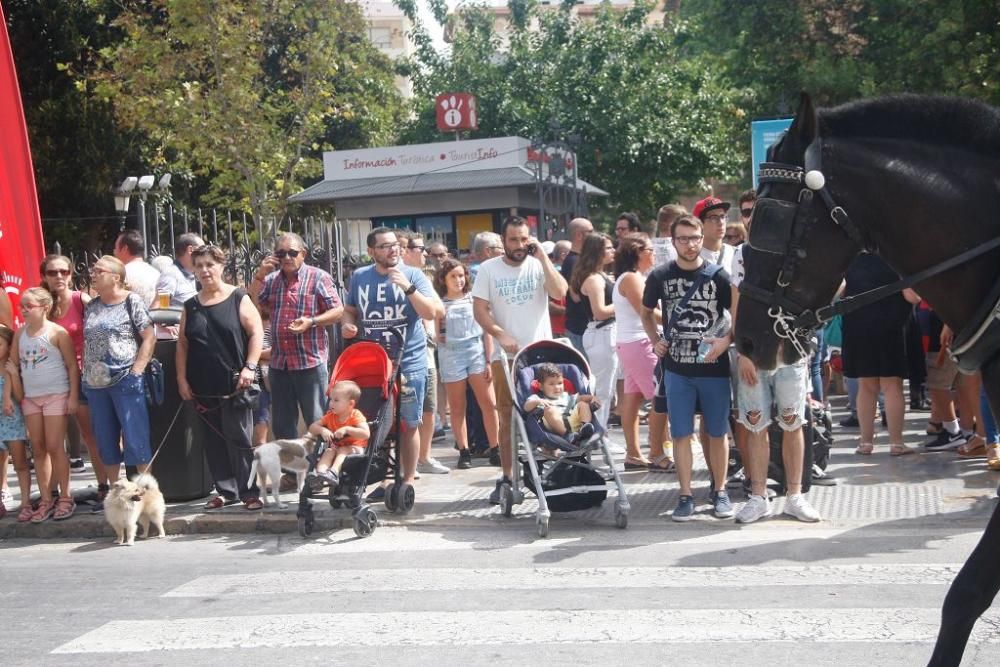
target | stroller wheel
x=306, y=525
x=336, y=503
x=621, y=517
x=365, y=522
x=407, y=496
x=543, y=526
x=392, y=497
x=506, y=499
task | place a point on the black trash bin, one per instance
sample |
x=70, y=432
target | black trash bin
x=180, y=467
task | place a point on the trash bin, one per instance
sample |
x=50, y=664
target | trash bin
x=180, y=467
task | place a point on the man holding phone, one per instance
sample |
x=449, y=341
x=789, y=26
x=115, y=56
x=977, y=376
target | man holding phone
x=303, y=301
x=511, y=302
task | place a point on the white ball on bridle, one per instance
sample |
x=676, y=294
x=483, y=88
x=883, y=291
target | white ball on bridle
x=815, y=180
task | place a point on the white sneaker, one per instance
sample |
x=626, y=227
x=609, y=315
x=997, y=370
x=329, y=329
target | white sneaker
x=432, y=466
x=799, y=507
x=758, y=507
x=5, y=497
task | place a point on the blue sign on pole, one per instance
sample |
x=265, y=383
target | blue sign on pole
x=763, y=133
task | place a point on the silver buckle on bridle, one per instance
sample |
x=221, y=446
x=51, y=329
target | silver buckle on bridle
x=784, y=331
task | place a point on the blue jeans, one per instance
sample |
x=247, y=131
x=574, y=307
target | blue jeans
x=714, y=395
x=120, y=413
x=292, y=391
x=816, y=366
x=989, y=423
x=577, y=340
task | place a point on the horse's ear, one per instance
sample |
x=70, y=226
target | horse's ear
x=805, y=126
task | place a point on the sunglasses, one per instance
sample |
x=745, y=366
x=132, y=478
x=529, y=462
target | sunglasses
x=745, y=212
x=55, y=273
x=418, y=247
x=281, y=254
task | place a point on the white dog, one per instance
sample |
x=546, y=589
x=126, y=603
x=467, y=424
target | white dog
x=128, y=502
x=271, y=457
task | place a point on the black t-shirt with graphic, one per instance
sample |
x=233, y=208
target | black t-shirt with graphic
x=665, y=286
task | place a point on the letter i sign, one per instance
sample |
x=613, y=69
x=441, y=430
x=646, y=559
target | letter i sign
x=456, y=111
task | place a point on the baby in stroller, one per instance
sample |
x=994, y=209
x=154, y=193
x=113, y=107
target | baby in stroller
x=344, y=429
x=570, y=416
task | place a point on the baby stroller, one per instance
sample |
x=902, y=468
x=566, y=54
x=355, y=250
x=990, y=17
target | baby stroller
x=565, y=481
x=367, y=364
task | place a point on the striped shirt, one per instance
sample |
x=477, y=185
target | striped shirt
x=310, y=293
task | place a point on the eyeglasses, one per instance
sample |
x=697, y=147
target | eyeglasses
x=716, y=217
x=418, y=247
x=745, y=212
x=689, y=240
x=31, y=306
x=621, y=229
x=732, y=237
x=98, y=271
x=281, y=254
x=387, y=246
x=55, y=273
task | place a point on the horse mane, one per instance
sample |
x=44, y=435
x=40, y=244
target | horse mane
x=942, y=120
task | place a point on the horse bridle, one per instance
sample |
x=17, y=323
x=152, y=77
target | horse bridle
x=780, y=227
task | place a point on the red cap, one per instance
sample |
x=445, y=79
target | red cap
x=708, y=204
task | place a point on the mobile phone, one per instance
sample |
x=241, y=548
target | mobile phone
x=532, y=247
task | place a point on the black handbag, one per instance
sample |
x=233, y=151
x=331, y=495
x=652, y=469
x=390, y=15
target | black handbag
x=153, y=375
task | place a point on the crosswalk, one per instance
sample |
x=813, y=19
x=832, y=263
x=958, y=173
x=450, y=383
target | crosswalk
x=535, y=601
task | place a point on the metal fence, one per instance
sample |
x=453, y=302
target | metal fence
x=245, y=242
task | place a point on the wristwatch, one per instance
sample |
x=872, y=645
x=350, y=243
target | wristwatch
x=251, y=367
x=410, y=290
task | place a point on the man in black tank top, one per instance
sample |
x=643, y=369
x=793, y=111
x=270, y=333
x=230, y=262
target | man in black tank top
x=577, y=313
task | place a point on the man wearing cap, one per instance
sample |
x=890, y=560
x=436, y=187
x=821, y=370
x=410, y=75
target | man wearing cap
x=712, y=212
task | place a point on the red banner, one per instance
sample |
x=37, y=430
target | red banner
x=21, y=244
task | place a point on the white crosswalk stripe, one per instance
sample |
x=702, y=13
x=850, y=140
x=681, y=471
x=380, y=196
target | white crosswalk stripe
x=598, y=626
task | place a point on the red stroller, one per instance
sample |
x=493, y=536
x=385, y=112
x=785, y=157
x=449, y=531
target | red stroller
x=367, y=364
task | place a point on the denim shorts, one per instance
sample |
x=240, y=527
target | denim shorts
x=411, y=398
x=685, y=393
x=457, y=364
x=120, y=412
x=262, y=413
x=784, y=388
x=431, y=390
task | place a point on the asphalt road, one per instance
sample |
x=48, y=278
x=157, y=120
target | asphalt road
x=779, y=593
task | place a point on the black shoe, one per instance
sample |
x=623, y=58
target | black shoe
x=464, y=459
x=614, y=420
x=98, y=507
x=376, y=496
x=495, y=457
x=850, y=422
x=495, y=496
x=885, y=419
x=945, y=442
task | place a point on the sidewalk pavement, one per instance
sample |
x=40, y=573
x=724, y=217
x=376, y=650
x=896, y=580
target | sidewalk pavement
x=924, y=490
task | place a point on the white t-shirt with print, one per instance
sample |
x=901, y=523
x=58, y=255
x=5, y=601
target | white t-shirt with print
x=517, y=299
x=738, y=270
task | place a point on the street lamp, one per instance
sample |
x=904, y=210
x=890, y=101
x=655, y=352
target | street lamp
x=122, y=195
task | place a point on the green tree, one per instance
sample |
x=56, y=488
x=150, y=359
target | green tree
x=651, y=123
x=248, y=94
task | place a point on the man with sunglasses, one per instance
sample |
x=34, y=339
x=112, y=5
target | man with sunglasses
x=303, y=301
x=177, y=280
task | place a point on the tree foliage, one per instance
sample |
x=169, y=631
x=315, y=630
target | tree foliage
x=248, y=94
x=650, y=122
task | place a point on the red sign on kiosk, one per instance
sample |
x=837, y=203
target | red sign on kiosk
x=456, y=111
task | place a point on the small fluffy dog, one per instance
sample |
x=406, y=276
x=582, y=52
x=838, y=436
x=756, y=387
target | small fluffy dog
x=271, y=457
x=130, y=501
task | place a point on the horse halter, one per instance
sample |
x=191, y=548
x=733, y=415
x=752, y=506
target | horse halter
x=780, y=227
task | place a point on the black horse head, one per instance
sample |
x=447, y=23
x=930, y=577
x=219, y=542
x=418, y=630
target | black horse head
x=797, y=254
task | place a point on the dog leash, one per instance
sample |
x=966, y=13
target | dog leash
x=166, y=435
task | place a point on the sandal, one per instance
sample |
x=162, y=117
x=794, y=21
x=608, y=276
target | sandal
x=65, y=508
x=43, y=513
x=636, y=464
x=253, y=504
x=662, y=463
x=865, y=449
x=993, y=457
x=974, y=448
x=218, y=502
x=901, y=450
x=25, y=513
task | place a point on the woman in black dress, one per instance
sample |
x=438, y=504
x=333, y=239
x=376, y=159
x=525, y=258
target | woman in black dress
x=875, y=350
x=217, y=354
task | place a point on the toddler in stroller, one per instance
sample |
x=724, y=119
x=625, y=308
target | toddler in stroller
x=345, y=431
x=560, y=412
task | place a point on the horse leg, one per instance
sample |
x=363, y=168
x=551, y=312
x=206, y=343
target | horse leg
x=978, y=581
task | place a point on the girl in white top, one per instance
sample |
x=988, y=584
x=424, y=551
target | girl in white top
x=49, y=378
x=633, y=261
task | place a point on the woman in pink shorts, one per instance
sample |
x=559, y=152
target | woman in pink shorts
x=48, y=375
x=633, y=260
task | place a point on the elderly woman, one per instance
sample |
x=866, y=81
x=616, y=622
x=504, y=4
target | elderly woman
x=218, y=349
x=114, y=360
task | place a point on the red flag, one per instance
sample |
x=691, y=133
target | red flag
x=21, y=244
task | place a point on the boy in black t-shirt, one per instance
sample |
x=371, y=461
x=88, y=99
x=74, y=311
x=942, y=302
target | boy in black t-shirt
x=694, y=298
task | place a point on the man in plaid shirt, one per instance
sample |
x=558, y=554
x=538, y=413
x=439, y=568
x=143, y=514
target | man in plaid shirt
x=303, y=302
